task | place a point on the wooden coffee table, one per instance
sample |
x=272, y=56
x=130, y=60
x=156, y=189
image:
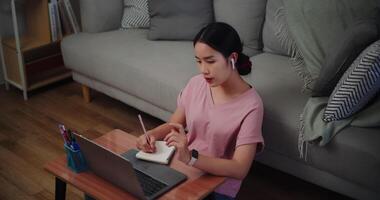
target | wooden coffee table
x=197, y=186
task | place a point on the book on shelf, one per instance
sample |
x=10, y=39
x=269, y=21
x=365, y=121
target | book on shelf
x=76, y=7
x=57, y=18
x=66, y=26
x=55, y=22
x=71, y=15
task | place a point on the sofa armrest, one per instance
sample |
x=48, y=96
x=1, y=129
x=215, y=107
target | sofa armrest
x=100, y=15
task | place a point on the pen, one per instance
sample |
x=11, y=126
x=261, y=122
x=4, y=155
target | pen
x=62, y=129
x=74, y=143
x=145, y=133
x=71, y=138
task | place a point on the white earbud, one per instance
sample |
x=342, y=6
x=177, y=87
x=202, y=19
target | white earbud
x=233, y=63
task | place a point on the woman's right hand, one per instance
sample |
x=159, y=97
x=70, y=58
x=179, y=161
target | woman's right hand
x=142, y=143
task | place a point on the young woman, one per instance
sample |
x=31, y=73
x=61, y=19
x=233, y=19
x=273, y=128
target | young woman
x=222, y=112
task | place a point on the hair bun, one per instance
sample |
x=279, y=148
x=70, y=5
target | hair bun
x=244, y=64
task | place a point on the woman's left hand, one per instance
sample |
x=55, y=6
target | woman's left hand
x=177, y=137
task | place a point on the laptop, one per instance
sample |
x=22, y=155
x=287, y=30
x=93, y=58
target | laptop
x=143, y=179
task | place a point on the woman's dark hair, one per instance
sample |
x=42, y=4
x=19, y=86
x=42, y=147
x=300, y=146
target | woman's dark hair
x=225, y=39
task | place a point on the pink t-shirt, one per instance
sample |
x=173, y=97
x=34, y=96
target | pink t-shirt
x=216, y=130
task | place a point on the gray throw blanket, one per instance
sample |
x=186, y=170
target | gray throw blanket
x=314, y=130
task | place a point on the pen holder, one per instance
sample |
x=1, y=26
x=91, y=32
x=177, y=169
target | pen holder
x=75, y=160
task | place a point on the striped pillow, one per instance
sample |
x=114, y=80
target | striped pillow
x=359, y=84
x=136, y=14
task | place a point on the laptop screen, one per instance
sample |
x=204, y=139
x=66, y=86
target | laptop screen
x=110, y=166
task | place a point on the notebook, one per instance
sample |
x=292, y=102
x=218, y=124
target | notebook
x=162, y=155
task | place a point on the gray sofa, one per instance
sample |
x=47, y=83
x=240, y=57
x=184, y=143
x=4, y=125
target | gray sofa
x=148, y=75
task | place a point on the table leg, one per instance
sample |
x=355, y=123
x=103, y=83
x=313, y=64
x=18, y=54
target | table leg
x=60, y=189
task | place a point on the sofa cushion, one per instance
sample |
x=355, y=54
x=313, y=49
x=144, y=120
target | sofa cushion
x=154, y=71
x=342, y=53
x=247, y=17
x=307, y=24
x=359, y=84
x=136, y=14
x=178, y=19
x=278, y=86
x=100, y=15
x=270, y=40
x=352, y=155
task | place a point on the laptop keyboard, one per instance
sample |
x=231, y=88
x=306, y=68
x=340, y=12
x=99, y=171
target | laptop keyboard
x=150, y=186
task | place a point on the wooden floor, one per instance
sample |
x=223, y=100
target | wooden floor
x=29, y=138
